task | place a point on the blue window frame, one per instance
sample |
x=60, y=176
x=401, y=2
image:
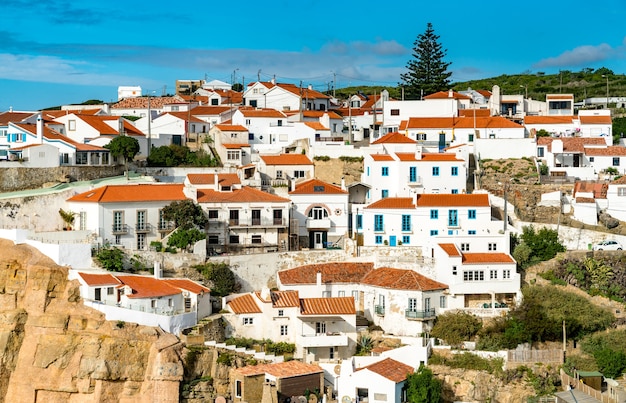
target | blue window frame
x=378, y=222
x=455, y=171
x=368, y=171
x=434, y=232
x=406, y=222
x=455, y=191
x=471, y=214
x=450, y=232
x=378, y=239
x=406, y=239
x=385, y=171
x=434, y=214
x=384, y=193
x=435, y=171
x=453, y=218
x=471, y=232
x=359, y=221
x=615, y=161
x=412, y=174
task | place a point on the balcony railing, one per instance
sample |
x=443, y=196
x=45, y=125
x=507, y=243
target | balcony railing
x=323, y=339
x=233, y=222
x=256, y=221
x=119, y=229
x=414, y=181
x=165, y=227
x=427, y=314
x=143, y=228
x=259, y=222
x=379, y=310
x=322, y=224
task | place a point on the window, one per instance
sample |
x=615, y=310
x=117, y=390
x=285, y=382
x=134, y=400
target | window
x=98, y=294
x=592, y=159
x=406, y=239
x=470, y=138
x=233, y=217
x=471, y=214
x=455, y=191
x=368, y=171
x=385, y=171
x=412, y=174
x=325, y=294
x=406, y=222
x=283, y=330
x=118, y=221
x=233, y=155
x=65, y=158
x=250, y=136
x=359, y=221
x=427, y=304
x=471, y=232
x=506, y=273
x=540, y=152
x=464, y=247
x=110, y=291
x=277, y=214
x=170, y=302
x=141, y=241
x=454, y=272
x=473, y=275
x=434, y=232
x=279, y=174
x=442, y=301
x=320, y=327
x=237, y=388
x=378, y=239
x=319, y=189
x=281, y=312
x=213, y=214
x=256, y=239
x=256, y=217
x=233, y=239
x=378, y=223
x=384, y=193
x=213, y=240
x=355, y=295
x=341, y=293
x=453, y=219
x=395, y=112
x=318, y=213
x=248, y=321
x=621, y=191
x=434, y=214
x=492, y=246
x=331, y=353
x=421, y=136
x=455, y=171
x=71, y=125
x=412, y=304
x=298, y=174
x=493, y=274
x=247, y=122
x=435, y=171
x=615, y=161
x=279, y=122
x=153, y=303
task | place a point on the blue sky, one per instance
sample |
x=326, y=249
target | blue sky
x=57, y=52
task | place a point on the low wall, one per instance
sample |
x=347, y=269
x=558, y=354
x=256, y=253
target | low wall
x=14, y=179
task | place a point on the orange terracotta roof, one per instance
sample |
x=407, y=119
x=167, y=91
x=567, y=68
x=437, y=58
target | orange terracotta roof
x=316, y=186
x=108, y=125
x=401, y=279
x=619, y=181
x=99, y=279
x=548, y=120
x=452, y=200
x=223, y=179
x=285, y=299
x=317, y=114
x=280, y=370
x=572, y=144
x=142, y=102
x=599, y=190
x=186, y=117
x=262, y=113
x=303, y=92
x=147, y=287
x=595, y=120
x=232, y=146
x=332, y=272
x=484, y=93
x=391, y=369
x=446, y=95
x=186, y=284
x=470, y=113
x=553, y=97
x=394, y=138
x=231, y=128
x=440, y=157
x=244, y=304
x=393, y=203
x=585, y=200
x=49, y=115
x=381, y=157
x=132, y=193
x=495, y=122
x=286, y=159
x=244, y=195
x=450, y=249
x=482, y=258
x=605, y=151
x=208, y=110
x=327, y=306
x=316, y=126
x=14, y=117
x=53, y=136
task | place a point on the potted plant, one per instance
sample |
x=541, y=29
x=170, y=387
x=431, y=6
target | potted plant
x=68, y=218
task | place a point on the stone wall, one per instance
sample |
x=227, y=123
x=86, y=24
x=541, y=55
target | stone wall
x=14, y=179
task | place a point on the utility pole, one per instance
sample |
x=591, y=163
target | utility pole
x=334, y=83
x=149, y=124
x=350, y=119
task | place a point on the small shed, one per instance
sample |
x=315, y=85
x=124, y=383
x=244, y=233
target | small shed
x=591, y=378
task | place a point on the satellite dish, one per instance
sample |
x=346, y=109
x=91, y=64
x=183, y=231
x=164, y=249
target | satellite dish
x=302, y=399
x=337, y=369
x=346, y=399
x=220, y=399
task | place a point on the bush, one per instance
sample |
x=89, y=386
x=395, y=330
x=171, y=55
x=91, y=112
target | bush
x=222, y=279
x=456, y=327
x=184, y=238
x=321, y=158
x=111, y=259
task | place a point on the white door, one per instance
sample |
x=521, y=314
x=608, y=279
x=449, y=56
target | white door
x=319, y=240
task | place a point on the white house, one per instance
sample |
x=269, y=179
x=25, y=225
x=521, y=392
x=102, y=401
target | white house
x=126, y=215
x=616, y=198
x=396, y=112
x=280, y=170
x=172, y=304
x=383, y=381
x=321, y=211
x=176, y=128
x=284, y=97
x=213, y=114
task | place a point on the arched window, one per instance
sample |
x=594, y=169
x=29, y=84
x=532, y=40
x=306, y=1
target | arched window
x=318, y=213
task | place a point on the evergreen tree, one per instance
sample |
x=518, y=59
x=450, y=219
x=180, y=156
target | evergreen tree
x=427, y=71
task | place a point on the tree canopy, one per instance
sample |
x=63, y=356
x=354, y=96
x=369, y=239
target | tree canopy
x=423, y=387
x=427, y=71
x=124, y=146
x=536, y=246
x=185, y=214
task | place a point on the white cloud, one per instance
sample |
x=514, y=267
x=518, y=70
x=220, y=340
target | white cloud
x=579, y=56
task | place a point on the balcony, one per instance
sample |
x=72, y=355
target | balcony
x=420, y=315
x=258, y=222
x=415, y=181
x=318, y=224
x=322, y=340
x=143, y=228
x=165, y=227
x=119, y=229
x=379, y=310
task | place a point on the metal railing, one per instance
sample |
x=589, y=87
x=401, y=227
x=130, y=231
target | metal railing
x=379, y=309
x=426, y=314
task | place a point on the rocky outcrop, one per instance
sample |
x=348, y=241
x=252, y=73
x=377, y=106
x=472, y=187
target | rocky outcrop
x=54, y=349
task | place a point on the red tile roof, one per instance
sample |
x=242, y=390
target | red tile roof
x=147, y=287
x=393, y=203
x=482, y=258
x=209, y=110
x=609, y=151
x=548, y=120
x=281, y=370
x=185, y=117
x=223, y=179
x=132, y=193
x=244, y=304
x=186, y=284
x=316, y=126
x=303, y=92
x=401, y=279
x=599, y=190
x=99, y=279
x=316, y=186
x=446, y=95
x=382, y=157
x=142, y=102
x=572, y=144
x=439, y=157
x=452, y=200
x=595, y=120
x=332, y=272
x=244, y=195
x=231, y=128
x=496, y=122
x=108, y=125
x=394, y=138
x=285, y=299
x=391, y=369
x=470, y=113
x=235, y=145
x=54, y=136
x=286, y=159
x=14, y=117
x=450, y=249
x=327, y=306
x=262, y=113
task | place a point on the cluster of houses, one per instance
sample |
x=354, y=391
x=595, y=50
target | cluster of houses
x=415, y=198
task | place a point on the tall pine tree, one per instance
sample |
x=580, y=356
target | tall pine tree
x=427, y=71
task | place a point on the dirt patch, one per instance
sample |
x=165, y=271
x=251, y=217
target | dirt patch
x=334, y=169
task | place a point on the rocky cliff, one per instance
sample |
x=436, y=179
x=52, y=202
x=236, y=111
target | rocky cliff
x=54, y=349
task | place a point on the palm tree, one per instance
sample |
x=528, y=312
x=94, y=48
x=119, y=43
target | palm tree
x=68, y=218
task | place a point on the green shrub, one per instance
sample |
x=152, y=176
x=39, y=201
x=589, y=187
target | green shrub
x=321, y=158
x=110, y=258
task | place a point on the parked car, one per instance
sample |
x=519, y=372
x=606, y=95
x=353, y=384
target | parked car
x=608, y=245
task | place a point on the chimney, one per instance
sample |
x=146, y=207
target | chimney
x=310, y=87
x=216, y=182
x=265, y=294
x=450, y=93
x=39, y=129
x=120, y=123
x=319, y=278
x=343, y=183
x=273, y=80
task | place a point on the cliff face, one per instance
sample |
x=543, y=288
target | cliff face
x=54, y=349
